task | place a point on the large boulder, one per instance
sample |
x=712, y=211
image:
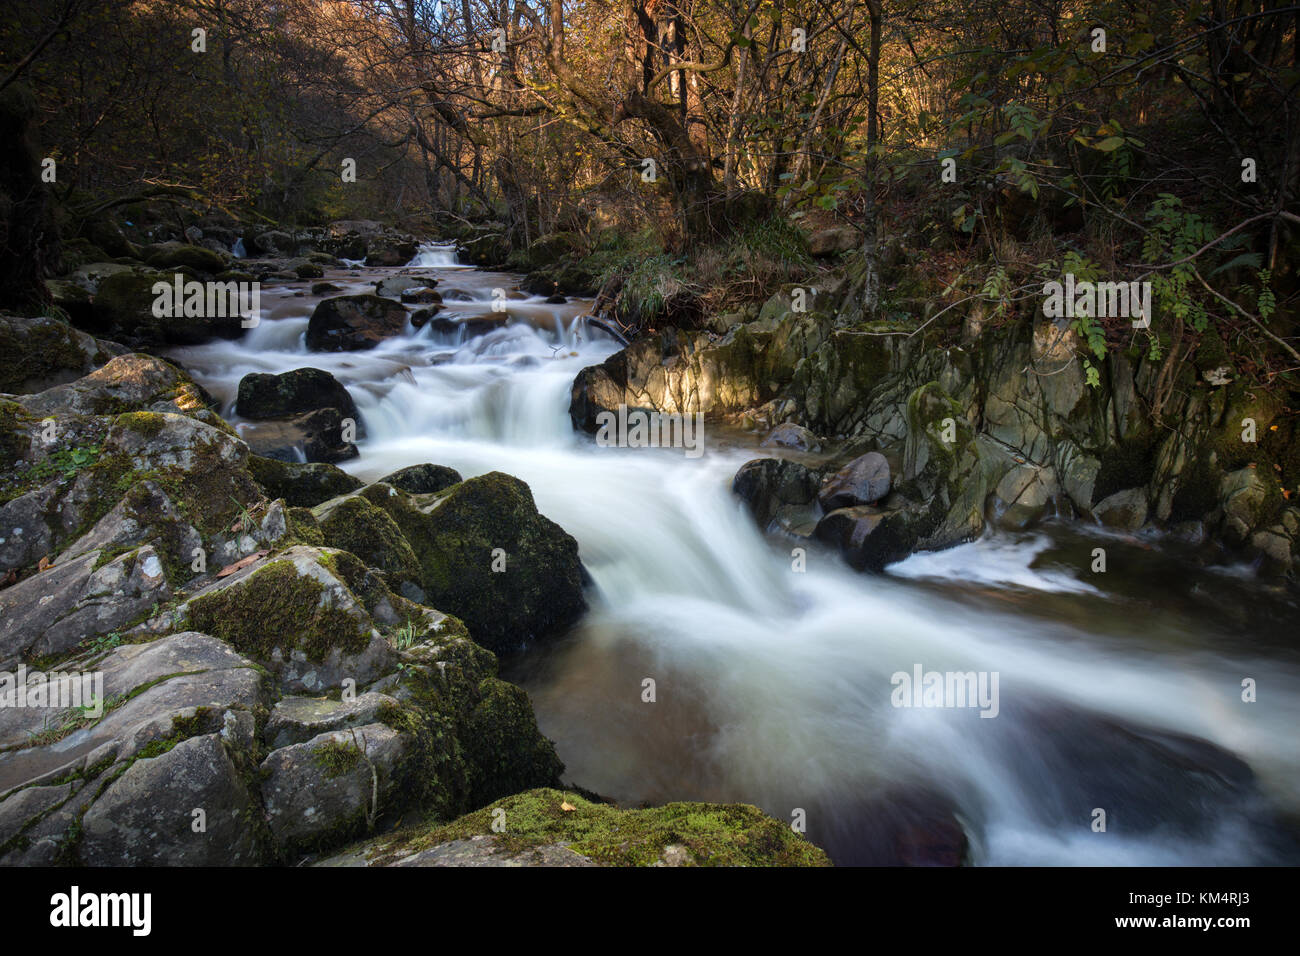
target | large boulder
x=487, y=556
x=423, y=479
x=353, y=323
x=301, y=484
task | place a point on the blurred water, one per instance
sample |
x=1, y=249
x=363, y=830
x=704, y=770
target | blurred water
x=774, y=685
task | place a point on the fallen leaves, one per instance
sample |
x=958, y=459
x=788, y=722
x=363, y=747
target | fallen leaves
x=242, y=563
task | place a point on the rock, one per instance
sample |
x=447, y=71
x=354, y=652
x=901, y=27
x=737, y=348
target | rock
x=296, y=720
x=50, y=613
x=187, y=695
x=863, y=481
x=491, y=520
x=315, y=436
x=296, y=614
x=779, y=491
x=353, y=323
x=353, y=524
x=323, y=289
x=1024, y=497
x=423, y=479
x=264, y=396
x=43, y=352
x=177, y=255
x=1244, y=495
x=131, y=382
x=387, y=252
x=147, y=816
x=332, y=786
x=301, y=485
x=834, y=240
x=538, y=827
x=124, y=307
x=394, y=286
x=1126, y=510
x=274, y=242
x=850, y=530
x=420, y=296
x=791, y=436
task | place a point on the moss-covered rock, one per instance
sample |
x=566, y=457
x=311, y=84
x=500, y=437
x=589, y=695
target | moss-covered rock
x=690, y=834
x=302, y=485
x=42, y=352
x=354, y=524
x=490, y=558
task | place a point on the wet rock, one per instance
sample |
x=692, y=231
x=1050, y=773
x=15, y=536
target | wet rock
x=863, y=481
x=423, y=479
x=1126, y=510
x=394, y=286
x=420, y=296
x=776, y=490
x=354, y=323
x=792, y=436
x=263, y=396
x=315, y=436
x=1024, y=497
x=322, y=289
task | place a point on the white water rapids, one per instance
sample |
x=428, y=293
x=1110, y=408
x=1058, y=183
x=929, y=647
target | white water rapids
x=773, y=686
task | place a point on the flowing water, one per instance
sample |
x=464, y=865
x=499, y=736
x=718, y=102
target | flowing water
x=1119, y=691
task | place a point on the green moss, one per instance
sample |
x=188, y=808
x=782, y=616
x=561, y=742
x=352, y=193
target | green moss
x=38, y=352
x=148, y=424
x=183, y=728
x=357, y=526
x=336, y=757
x=302, y=527
x=274, y=607
x=712, y=834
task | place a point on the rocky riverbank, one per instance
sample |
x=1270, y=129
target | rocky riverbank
x=999, y=429
x=290, y=659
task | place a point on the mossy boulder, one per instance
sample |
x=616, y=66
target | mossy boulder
x=176, y=255
x=490, y=558
x=42, y=352
x=537, y=821
x=298, y=615
x=301, y=485
x=354, y=524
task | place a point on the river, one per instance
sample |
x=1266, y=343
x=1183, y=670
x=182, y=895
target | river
x=774, y=685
